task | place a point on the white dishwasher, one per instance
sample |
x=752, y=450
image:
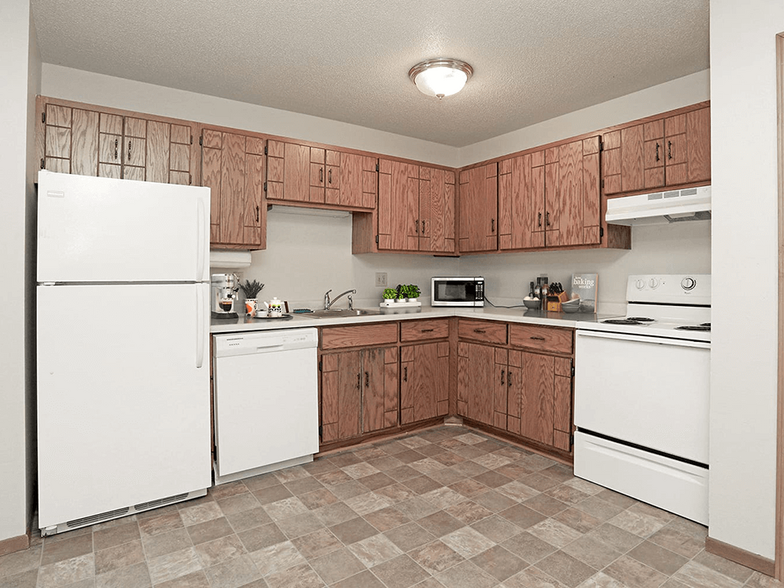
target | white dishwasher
x=266, y=401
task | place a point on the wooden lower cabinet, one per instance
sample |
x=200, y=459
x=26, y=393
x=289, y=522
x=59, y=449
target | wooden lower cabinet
x=522, y=392
x=359, y=392
x=424, y=381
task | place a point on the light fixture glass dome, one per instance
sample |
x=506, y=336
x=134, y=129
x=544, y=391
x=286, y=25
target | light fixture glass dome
x=440, y=77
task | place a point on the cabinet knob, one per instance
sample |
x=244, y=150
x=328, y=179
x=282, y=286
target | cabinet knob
x=503, y=373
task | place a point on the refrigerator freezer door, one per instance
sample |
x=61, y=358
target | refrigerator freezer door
x=123, y=409
x=107, y=230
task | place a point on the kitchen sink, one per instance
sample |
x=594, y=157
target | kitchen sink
x=341, y=312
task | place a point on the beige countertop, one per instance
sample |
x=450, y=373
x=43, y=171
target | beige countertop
x=513, y=315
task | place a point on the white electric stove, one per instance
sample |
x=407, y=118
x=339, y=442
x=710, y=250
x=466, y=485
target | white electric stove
x=642, y=385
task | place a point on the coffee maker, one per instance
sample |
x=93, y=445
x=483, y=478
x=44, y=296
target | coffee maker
x=224, y=289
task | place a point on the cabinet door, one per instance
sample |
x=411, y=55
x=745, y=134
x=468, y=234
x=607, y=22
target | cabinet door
x=479, y=208
x=500, y=388
x=624, y=167
x=575, y=218
x=653, y=153
x=289, y=176
x=562, y=404
x=341, y=395
x=436, y=210
x=514, y=391
x=233, y=168
x=698, y=145
x=351, y=180
x=71, y=142
x=552, y=196
x=380, y=388
x=110, y=137
x=424, y=381
x=521, y=202
x=398, y=206
x=475, y=382
x=536, y=398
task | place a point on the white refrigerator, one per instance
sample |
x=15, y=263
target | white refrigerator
x=122, y=347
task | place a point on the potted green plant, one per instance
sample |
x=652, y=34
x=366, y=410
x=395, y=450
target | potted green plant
x=251, y=291
x=403, y=295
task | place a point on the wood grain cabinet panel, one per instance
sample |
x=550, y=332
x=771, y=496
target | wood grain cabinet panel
x=416, y=208
x=521, y=202
x=422, y=330
x=476, y=373
x=478, y=226
x=479, y=330
x=424, y=381
x=358, y=335
x=90, y=142
x=301, y=173
x=234, y=171
x=664, y=152
x=539, y=338
x=380, y=388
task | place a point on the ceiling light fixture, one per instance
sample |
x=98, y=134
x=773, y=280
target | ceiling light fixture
x=440, y=77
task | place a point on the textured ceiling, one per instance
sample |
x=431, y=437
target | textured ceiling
x=348, y=60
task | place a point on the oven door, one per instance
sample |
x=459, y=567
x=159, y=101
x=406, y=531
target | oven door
x=645, y=391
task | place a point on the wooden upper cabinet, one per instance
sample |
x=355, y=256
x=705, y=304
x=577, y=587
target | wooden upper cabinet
x=550, y=198
x=478, y=227
x=416, y=208
x=664, y=152
x=521, y=203
x=95, y=143
x=233, y=168
x=299, y=173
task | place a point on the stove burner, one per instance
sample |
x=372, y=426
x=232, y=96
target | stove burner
x=702, y=327
x=640, y=319
x=624, y=321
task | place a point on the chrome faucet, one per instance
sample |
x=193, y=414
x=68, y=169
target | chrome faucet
x=328, y=303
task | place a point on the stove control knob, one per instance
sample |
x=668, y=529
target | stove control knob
x=654, y=283
x=688, y=283
x=640, y=284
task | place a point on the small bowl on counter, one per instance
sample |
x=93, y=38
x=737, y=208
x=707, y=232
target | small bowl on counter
x=531, y=302
x=571, y=305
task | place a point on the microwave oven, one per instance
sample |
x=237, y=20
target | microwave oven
x=457, y=291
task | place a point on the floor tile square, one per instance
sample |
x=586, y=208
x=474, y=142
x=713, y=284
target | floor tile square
x=277, y=558
x=528, y=547
x=466, y=575
x=566, y=569
x=375, y=550
x=300, y=576
x=496, y=528
x=467, y=542
x=468, y=512
x=353, y=530
x=435, y=557
x=440, y=523
x=387, y=518
x=400, y=572
x=220, y=550
x=661, y=559
x=316, y=544
x=409, y=536
x=499, y=563
x=336, y=566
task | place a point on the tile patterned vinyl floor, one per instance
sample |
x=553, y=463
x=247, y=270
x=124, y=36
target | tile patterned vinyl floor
x=446, y=507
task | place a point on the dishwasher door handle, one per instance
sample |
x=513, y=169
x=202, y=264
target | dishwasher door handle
x=269, y=346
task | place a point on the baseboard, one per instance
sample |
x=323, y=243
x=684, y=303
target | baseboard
x=14, y=544
x=741, y=556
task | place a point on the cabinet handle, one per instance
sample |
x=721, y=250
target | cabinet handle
x=116, y=145
x=492, y=225
x=657, y=151
x=416, y=226
x=321, y=175
x=367, y=380
x=509, y=380
x=405, y=373
x=129, y=151
x=423, y=227
x=547, y=218
x=669, y=149
x=540, y=219
x=479, y=331
x=359, y=381
x=257, y=213
x=538, y=338
x=503, y=372
x=329, y=176
x=427, y=330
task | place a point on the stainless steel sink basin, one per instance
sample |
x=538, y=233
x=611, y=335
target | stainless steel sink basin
x=341, y=312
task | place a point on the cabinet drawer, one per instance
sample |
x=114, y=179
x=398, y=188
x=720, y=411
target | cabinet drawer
x=488, y=331
x=541, y=338
x=358, y=336
x=423, y=330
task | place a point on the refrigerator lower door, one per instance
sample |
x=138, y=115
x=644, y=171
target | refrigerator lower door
x=107, y=230
x=123, y=396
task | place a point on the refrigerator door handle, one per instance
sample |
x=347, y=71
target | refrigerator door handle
x=200, y=233
x=200, y=327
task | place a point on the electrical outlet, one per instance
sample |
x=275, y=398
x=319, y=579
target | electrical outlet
x=381, y=279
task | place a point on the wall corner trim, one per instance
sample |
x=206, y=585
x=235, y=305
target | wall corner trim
x=14, y=544
x=745, y=558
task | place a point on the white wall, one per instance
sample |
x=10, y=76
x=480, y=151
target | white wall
x=16, y=46
x=82, y=86
x=745, y=205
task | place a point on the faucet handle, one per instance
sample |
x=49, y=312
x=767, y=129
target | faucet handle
x=326, y=299
x=350, y=301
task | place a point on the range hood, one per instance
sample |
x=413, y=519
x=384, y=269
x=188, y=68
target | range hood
x=660, y=208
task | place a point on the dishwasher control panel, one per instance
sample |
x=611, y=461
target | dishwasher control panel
x=232, y=344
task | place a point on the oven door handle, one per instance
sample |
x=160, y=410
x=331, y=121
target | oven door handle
x=650, y=339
